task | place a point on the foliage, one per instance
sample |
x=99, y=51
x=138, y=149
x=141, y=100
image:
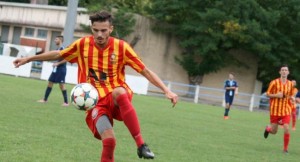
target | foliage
x=123, y=12
x=81, y=3
x=208, y=30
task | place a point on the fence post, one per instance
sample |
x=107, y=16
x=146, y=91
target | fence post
x=251, y=103
x=196, y=98
x=169, y=85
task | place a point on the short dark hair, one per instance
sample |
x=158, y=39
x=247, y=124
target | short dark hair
x=60, y=37
x=101, y=16
x=283, y=65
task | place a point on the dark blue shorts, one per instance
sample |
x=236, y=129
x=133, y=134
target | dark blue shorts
x=229, y=99
x=58, y=77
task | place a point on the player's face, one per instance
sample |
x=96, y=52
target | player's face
x=284, y=72
x=57, y=41
x=231, y=77
x=101, y=32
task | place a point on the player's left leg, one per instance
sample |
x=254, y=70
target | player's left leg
x=123, y=100
x=286, y=135
x=64, y=93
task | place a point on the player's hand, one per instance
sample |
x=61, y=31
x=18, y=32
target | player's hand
x=173, y=97
x=280, y=95
x=55, y=64
x=20, y=61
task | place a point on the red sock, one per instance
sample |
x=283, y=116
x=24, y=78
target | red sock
x=130, y=118
x=286, y=140
x=108, y=150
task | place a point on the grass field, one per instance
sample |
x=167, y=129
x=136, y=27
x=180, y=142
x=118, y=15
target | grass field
x=34, y=132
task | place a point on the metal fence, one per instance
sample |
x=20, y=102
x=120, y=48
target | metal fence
x=212, y=96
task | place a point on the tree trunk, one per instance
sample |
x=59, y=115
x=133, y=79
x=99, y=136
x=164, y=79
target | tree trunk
x=135, y=40
x=194, y=80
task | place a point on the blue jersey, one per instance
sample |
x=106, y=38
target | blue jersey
x=230, y=83
x=63, y=66
x=59, y=72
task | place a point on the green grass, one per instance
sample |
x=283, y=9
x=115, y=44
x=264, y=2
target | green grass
x=34, y=132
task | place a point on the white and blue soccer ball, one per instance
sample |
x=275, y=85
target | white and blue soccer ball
x=84, y=96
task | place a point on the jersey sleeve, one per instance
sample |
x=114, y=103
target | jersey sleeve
x=270, y=88
x=298, y=94
x=236, y=84
x=225, y=84
x=132, y=59
x=71, y=53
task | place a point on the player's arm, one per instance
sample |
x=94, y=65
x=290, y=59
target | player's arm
x=59, y=63
x=236, y=90
x=155, y=80
x=270, y=90
x=47, y=56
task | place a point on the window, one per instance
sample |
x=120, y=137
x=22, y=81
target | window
x=42, y=33
x=4, y=34
x=29, y=32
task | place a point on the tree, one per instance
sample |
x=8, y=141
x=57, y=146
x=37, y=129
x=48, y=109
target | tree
x=123, y=12
x=209, y=30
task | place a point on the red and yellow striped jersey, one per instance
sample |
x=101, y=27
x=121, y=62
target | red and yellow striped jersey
x=103, y=68
x=280, y=106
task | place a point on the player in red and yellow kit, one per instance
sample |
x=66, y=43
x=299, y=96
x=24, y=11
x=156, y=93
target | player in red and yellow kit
x=280, y=92
x=101, y=61
x=294, y=105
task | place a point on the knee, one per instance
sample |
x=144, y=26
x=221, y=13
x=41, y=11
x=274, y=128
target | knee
x=118, y=91
x=108, y=133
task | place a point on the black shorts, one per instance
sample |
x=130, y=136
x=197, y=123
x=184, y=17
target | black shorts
x=229, y=99
x=59, y=76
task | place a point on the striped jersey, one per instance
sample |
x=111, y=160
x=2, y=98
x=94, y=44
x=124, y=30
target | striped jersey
x=280, y=106
x=103, y=68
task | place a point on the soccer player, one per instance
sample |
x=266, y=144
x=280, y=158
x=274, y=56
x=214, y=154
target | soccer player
x=101, y=61
x=294, y=105
x=58, y=75
x=231, y=89
x=280, y=91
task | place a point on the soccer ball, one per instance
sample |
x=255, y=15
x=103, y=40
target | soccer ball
x=84, y=96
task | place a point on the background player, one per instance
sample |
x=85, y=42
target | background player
x=294, y=105
x=231, y=89
x=58, y=75
x=280, y=91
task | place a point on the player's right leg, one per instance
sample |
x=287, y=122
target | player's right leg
x=273, y=128
x=47, y=92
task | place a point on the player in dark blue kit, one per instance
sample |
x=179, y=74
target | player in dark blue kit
x=58, y=75
x=231, y=89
